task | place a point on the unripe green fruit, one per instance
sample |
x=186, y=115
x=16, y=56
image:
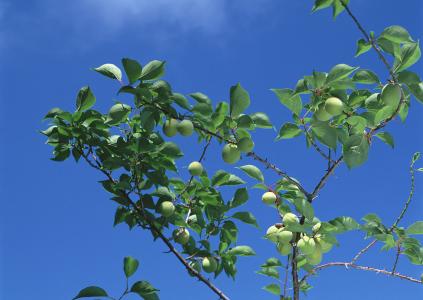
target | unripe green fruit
x=316, y=227
x=290, y=218
x=185, y=128
x=307, y=245
x=334, y=106
x=284, y=249
x=245, y=145
x=192, y=219
x=284, y=236
x=324, y=246
x=391, y=94
x=166, y=208
x=209, y=264
x=170, y=127
x=322, y=115
x=181, y=236
x=271, y=233
x=269, y=198
x=230, y=153
x=195, y=168
x=315, y=257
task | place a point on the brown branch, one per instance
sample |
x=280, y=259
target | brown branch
x=370, y=40
x=359, y=267
x=157, y=231
x=397, y=254
x=295, y=281
x=324, y=179
x=278, y=171
x=410, y=196
x=362, y=251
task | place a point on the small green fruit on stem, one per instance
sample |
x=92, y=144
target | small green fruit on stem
x=245, y=145
x=230, y=153
x=269, y=198
x=181, y=236
x=290, y=219
x=307, y=245
x=170, y=127
x=195, y=168
x=166, y=208
x=334, y=106
x=185, y=128
x=284, y=249
x=209, y=264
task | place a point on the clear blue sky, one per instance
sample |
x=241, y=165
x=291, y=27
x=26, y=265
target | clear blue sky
x=56, y=221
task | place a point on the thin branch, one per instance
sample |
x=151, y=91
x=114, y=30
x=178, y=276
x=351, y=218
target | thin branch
x=294, y=271
x=396, y=259
x=348, y=265
x=410, y=196
x=158, y=233
x=324, y=179
x=278, y=171
x=316, y=147
x=369, y=40
x=285, y=282
x=362, y=251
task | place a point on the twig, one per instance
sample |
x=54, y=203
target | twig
x=316, y=147
x=294, y=271
x=410, y=196
x=285, y=283
x=278, y=171
x=324, y=178
x=348, y=265
x=362, y=251
x=158, y=233
x=396, y=259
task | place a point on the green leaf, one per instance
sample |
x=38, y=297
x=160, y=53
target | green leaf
x=239, y=100
x=272, y=262
x=130, y=266
x=273, y=289
x=365, y=76
x=153, y=70
x=118, y=113
x=343, y=224
x=85, y=99
x=416, y=228
x=325, y=134
x=321, y=4
x=229, y=232
x=409, y=55
x=386, y=138
x=417, y=91
x=408, y=77
x=338, y=7
x=269, y=271
x=242, y=251
x=261, y=120
x=293, y=103
x=396, y=34
x=304, y=207
x=246, y=217
x=339, y=72
x=362, y=47
x=110, y=70
x=132, y=69
x=356, y=150
x=233, y=180
x=181, y=100
x=240, y=197
x=91, y=291
x=288, y=131
x=201, y=98
x=253, y=172
x=144, y=289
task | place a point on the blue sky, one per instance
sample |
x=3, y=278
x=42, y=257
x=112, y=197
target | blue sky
x=56, y=222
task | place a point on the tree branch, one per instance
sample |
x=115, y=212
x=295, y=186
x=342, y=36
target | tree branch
x=359, y=267
x=362, y=251
x=157, y=231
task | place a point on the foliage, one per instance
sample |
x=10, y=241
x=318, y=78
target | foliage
x=337, y=111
